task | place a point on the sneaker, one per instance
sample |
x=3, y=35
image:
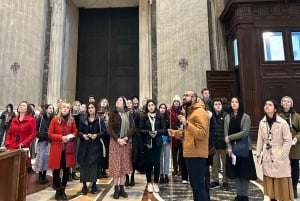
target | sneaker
x=184, y=181
x=155, y=188
x=150, y=188
x=214, y=185
x=225, y=186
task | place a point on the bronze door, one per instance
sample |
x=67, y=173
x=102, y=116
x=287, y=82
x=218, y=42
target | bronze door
x=108, y=53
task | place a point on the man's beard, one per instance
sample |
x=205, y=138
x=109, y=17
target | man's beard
x=187, y=103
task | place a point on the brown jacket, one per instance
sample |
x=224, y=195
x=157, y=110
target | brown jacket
x=195, y=134
x=114, y=125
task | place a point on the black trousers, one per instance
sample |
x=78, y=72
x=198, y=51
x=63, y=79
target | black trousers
x=295, y=171
x=56, y=173
x=184, y=172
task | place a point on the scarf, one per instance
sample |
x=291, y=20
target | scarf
x=288, y=118
x=152, y=117
x=271, y=120
x=124, y=122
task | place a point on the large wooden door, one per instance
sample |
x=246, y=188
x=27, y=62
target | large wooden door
x=108, y=53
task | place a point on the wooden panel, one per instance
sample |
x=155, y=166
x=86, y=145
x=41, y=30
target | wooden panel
x=276, y=88
x=221, y=83
x=269, y=71
x=13, y=176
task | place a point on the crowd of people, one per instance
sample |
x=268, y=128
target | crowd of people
x=198, y=135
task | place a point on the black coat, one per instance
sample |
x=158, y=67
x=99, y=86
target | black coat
x=145, y=128
x=89, y=152
x=42, y=125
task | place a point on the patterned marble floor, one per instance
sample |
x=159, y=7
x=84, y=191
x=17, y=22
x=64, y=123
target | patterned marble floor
x=176, y=191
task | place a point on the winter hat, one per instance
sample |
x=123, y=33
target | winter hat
x=176, y=98
x=288, y=97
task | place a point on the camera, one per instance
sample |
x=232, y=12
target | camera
x=268, y=146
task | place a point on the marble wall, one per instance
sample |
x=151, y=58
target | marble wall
x=70, y=51
x=22, y=34
x=182, y=32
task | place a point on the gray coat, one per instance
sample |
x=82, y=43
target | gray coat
x=245, y=129
x=275, y=160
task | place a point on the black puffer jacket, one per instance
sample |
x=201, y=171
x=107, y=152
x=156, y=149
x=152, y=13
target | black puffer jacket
x=219, y=137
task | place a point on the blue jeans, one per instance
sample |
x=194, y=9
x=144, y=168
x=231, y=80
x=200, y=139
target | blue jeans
x=196, y=169
x=165, y=158
x=2, y=133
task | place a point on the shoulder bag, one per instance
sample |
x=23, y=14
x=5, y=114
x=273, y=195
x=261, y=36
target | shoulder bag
x=240, y=147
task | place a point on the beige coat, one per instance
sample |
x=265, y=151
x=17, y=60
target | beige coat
x=275, y=160
x=195, y=134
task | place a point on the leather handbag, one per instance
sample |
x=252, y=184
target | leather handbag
x=70, y=147
x=240, y=147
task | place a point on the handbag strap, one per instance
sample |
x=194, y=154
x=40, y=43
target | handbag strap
x=99, y=124
x=41, y=123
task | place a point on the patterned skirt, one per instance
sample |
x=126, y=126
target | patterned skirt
x=41, y=162
x=119, y=159
x=278, y=188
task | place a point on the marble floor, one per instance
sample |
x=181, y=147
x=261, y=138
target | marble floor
x=173, y=191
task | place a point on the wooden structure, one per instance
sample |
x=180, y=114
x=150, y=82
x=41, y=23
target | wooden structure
x=262, y=60
x=13, y=175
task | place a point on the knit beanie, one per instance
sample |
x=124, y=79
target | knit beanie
x=176, y=98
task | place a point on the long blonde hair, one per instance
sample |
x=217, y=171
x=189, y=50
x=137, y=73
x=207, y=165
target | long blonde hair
x=60, y=117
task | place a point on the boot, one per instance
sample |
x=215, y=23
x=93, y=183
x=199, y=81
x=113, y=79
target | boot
x=74, y=176
x=127, y=180
x=166, y=179
x=295, y=192
x=117, y=192
x=44, y=178
x=94, y=188
x=237, y=198
x=84, y=189
x=63, y=193
x=58, y=194
x=161, y=179
x=245, y=198
x=40, y=177
x=122, y=192
x=70, y=177
x=132, y=183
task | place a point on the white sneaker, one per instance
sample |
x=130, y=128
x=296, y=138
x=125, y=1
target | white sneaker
x=155, y=187
x=150, y=188
x=184, y=181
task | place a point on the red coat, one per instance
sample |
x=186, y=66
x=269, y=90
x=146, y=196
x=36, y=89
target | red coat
x=25, y=129
x=55, y=133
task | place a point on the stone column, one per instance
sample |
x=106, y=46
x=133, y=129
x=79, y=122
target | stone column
x=145, y=73
x=56, y=50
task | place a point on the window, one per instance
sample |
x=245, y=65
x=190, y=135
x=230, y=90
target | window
x=235, y=52
x=273, y=46
x=296, y=45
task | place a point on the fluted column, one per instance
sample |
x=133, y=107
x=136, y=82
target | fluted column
x=145, y=72
x=56, y=51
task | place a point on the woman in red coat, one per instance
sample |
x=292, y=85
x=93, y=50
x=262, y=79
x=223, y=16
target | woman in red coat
x=22, y=130
x=62, y=131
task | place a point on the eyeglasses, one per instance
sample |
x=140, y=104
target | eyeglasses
x=187, y=95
